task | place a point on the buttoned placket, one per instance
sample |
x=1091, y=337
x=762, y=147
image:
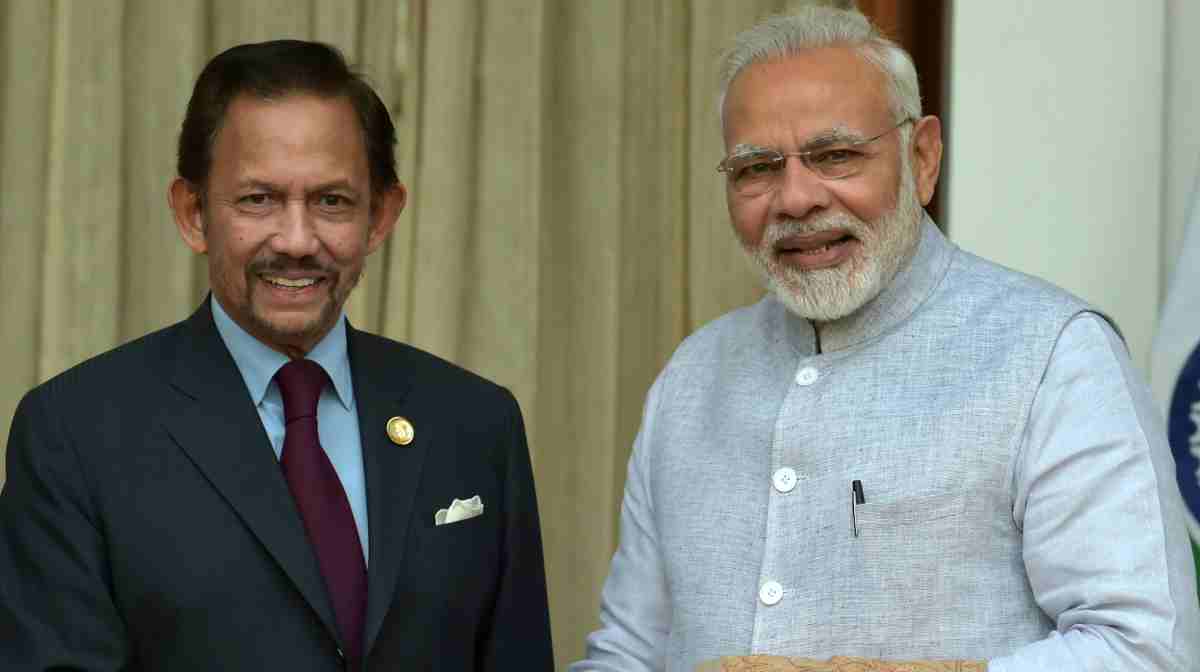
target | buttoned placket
x=786, y=483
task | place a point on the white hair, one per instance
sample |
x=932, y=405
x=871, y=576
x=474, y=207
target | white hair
x=812, y=27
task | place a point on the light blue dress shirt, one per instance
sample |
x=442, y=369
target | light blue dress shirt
x=337, y=414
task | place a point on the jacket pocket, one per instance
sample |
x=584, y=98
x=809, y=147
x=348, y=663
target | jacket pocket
x=909, y=511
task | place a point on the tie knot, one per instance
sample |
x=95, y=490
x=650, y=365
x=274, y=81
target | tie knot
x=300, y=384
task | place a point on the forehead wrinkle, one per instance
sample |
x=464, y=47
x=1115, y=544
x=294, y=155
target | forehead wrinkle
x=255, y=183
x=334, y=184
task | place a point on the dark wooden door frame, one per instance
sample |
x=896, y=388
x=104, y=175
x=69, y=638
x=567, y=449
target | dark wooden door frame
x=923, y=28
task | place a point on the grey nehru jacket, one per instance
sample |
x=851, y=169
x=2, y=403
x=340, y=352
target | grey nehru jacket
x=1020, y=501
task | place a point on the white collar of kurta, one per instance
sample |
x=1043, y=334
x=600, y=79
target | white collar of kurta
x=910, y=288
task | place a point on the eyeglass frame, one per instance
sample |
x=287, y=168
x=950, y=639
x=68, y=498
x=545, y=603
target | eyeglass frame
x=723, y=166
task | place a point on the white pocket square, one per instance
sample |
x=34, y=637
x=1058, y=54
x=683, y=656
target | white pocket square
x=460, y=509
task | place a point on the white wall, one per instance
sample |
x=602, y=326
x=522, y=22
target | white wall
x=1182, y=130
x=1055, y=157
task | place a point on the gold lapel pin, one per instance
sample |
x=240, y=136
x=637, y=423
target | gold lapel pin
x=400, y=431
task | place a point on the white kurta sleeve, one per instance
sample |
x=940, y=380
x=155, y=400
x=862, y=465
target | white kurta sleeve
x=1105, y=544
x=635, y=604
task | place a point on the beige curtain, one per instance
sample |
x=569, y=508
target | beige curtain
x=566, y=226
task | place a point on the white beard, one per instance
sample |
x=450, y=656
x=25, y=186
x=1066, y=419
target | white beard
x=827, y=294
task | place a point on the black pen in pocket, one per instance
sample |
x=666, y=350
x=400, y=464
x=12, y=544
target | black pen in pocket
x=856, y=498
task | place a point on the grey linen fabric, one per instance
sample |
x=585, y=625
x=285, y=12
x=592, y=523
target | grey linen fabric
x=1020, y=502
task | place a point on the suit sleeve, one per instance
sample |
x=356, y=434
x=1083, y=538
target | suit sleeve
x=635, y=603
x=1105, y=545
x=56, y=606
x=519, y=634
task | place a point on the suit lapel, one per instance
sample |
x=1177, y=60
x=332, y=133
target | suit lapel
x=382, y=382
x=220, y=430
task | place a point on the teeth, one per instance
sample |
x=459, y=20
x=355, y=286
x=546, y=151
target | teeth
x=286, y=282
x=816, y=250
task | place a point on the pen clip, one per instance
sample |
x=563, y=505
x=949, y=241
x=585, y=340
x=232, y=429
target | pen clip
x=856, y=498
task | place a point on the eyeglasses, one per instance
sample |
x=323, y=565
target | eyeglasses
x=757, y=171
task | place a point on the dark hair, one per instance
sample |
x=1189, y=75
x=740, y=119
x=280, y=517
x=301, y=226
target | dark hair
x=275, y=69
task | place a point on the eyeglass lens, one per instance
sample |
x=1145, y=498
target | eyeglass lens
x=758, y=172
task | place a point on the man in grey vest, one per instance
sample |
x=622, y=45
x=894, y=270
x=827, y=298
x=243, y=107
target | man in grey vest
x=903, y=452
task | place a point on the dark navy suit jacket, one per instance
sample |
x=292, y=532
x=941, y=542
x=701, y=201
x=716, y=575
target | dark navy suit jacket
x=146, y=525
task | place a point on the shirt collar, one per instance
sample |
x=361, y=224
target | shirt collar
x=910, y=288
x=259, y=363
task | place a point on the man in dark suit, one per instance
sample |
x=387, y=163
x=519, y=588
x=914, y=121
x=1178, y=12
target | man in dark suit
x=261, y=486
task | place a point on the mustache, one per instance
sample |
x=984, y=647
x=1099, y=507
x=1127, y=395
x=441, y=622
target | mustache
x=785, y=227
x=281, y=264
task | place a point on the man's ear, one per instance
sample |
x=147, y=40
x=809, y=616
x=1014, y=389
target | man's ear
x=927, y=156
x=384, y=212
x=188, y=208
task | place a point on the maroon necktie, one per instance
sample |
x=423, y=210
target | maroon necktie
x=321, y=500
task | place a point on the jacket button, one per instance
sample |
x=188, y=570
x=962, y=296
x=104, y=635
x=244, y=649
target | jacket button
x=807, y=376
x=784, y=479
x=771, y=593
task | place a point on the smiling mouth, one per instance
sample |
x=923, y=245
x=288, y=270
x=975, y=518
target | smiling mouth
x=814, y=251
x=820, y=249
x=290, y=283
x=813, y=247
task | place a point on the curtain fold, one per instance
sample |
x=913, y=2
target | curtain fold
x=28, y=30
x=159, y=276
x=81, y=270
